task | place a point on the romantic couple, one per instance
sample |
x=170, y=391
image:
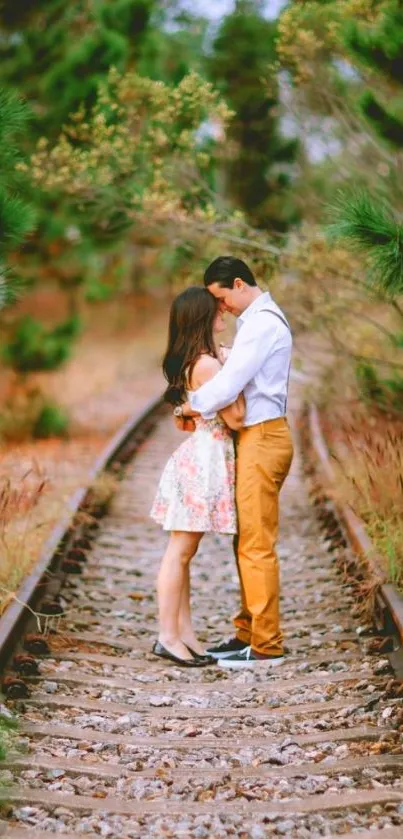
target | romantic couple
x=210, y=485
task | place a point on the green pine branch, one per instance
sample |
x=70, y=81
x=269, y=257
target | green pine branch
x=11, y=287
x=381, y=46
x=14, y=116
x=130, y=17
x=17, y=216
x=240, y=66
x=17, y=219
x=368, y=226
x=16, y=13
x=386, y=124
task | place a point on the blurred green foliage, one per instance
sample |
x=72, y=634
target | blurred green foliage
x=52, y=421
x=384, y=392
x=33, y=347
x=17, y=215
x=259, y=169
x=346, y=64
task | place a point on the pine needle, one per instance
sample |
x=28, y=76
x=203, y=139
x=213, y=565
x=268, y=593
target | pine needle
x=368, y=225
x=11, y=287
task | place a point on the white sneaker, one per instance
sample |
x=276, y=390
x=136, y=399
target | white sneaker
x=247, y=658
x=228, y=648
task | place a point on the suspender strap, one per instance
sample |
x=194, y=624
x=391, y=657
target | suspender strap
x=278, y=315
x=284, y=320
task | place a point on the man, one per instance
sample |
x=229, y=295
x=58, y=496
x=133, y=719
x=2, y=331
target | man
x=258, y=365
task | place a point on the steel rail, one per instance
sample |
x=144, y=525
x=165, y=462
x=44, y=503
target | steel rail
x=389, y=600
x=64, y=534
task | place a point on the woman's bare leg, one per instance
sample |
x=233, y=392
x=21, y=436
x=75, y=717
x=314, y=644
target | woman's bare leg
x=187, y=632
x=170, y=585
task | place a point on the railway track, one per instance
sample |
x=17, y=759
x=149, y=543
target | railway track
x=116, y=743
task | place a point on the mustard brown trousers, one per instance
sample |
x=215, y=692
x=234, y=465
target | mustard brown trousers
x=264, y=455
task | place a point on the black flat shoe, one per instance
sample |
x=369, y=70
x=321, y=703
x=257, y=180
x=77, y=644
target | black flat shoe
x=204, y=657
x=162, y=652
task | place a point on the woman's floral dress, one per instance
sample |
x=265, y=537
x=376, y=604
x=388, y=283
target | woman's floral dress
x=196, y=492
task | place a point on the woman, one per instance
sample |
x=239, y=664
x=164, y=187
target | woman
x=196, y=490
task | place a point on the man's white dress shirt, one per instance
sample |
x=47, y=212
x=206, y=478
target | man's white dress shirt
x=258, y=365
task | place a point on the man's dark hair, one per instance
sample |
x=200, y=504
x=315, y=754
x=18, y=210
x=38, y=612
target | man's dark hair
x=224, y=271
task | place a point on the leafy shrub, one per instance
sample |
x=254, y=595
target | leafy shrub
x=35, y=348
x=52, y=421
x=97, y=291
x=384, y=393
x=29, y=413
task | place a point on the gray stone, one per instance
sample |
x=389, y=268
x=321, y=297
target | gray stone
x=50, y=824
x=57, y=785
x=275, y=758
x=382, y=666
x=304, y=833
x=285, y=827
x=159, y=701
x=62, y=812
x=289, y=741
x=106, y=830
x=337, y=666
x=50, y=687
x=5, y=712
x=85, y=825
x=125, y=722
x=345, y=781
x=25, y=813
x=341, y=751
x=55, y=773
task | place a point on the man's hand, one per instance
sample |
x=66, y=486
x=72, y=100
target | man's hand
x=184, y=423
x=188, y=411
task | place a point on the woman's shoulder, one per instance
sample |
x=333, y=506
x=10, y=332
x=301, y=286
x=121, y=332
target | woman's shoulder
x=206, y=362
x=205, y=368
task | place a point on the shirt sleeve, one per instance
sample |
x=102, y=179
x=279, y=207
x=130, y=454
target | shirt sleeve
x=252, y=345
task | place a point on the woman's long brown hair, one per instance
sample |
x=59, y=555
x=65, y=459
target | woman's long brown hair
x=190, y=334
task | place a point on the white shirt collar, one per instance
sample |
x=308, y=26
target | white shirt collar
x=255, y=306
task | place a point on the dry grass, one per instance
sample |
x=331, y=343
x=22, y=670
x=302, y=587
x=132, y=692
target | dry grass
x=114, y=372
x=367, y=442
x=368, y=452
x=7, y=743
x=25, y=517
x=102, y=491
x=121, y=341
x=19, y=414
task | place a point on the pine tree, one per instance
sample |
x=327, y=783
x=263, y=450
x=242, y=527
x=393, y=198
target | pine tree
x=371, y=227
x=379, y=47
x=57, y=53
x=258, y=173
x=365, y=220
x=59, y=56
x=346, y=60
x=17, y=216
